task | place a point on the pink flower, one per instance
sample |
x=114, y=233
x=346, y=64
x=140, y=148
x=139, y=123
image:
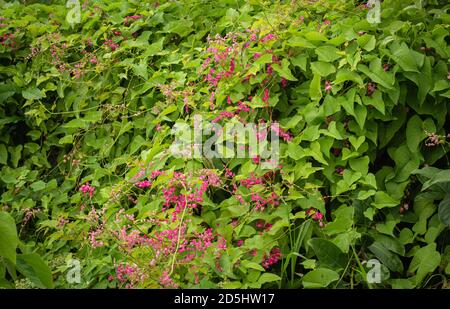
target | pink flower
x=260, y=224
x=273, y=258
x=328, y=86
x=266, y=95
x=86, y=188
x=370, y=89
x=448, y=75
x=256, y=55
x=133, y=17
x=268, y=37
x=155, y=174
x=166, y=281
x=239, y=243
x=336, y=152
x=222, y=244
x=317, y=216
x=283, y=82
x=228, y=173
x=144, y=184
x=339, y=170
x=281, y=133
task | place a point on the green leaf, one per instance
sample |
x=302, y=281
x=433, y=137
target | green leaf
x=414, y=133
x=360, y=165
x=322, y=68
x=327, y=53
x=360, y=115
x=425, y=261
x=344, y=75
x=376, y=101
x=32, y=93
x=383, y=200
x=342, y=222
x=367, y=42
x=182, y=27
x=356, y=142
x=406, y=58
x=76, y=123
x=328, y=254
x=284, y=70
x=252, y=265
x=315, y=90
x=314, y=151
x=295, y=151
x=268, y=277
x=141, y=69
x=38, y=185
x=311, y=133
x=8, y=237
x=34, y=268
x=442, y=176
x=68, y=139
x=319, y=278
x=299, y=41
x=3, y=154
x=376, y=73
x=444, y=210
x=386, y=257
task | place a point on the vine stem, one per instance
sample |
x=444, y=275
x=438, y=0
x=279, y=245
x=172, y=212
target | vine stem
x=172, y=266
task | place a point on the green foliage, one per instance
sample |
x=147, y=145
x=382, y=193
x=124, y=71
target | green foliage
x=87, y=108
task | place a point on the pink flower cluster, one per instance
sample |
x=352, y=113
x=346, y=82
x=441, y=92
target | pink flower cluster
x=273, y=258
x=128, y=19
x=87, y=188
x=175, y=241
x=261, y=224
x=144, y=184
x=93, y=238
x=316, y=216
x=195, y=192
x=282, y=133
x=261, y=203
x=166, y=281
x=7, y=40
x=223, y=115
x=131, y=275
x=328, y=87
x=241, y=108
x=268, y=37
x=131, y=239
x=252, y=181
x=111, y=44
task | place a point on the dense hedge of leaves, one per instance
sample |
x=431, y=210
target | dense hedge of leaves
x=86, y=172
